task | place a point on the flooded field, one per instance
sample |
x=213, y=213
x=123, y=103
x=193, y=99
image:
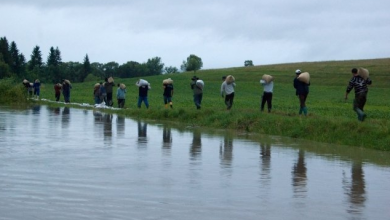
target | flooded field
x=65, y=163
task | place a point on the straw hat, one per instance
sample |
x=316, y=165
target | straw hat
x=122, y=86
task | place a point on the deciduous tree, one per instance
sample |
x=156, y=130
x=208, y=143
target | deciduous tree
x=193, y=63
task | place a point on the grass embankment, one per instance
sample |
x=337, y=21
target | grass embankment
x=330, y=120
x=12, y=93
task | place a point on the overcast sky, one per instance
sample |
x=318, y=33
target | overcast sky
x=223, y=33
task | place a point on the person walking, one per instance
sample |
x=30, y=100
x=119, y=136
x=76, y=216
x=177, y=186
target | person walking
x=102, y=93
x=197, y=88
x=168, y=92
x=268, y=84
x=121, y=95
x=359, y=84
x=96, y=93
x=57, y=91
x=143, y=88
x=227, y=90
x=302, y=91
x=29, y=88
x=66, y=87
x=37, y=88
x=109, y=84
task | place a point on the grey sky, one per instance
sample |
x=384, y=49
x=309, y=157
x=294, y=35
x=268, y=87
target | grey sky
x=222, y=33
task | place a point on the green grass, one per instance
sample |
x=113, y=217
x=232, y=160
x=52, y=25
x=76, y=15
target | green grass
x=330, y=120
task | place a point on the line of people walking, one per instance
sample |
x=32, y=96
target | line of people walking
x=103, y=92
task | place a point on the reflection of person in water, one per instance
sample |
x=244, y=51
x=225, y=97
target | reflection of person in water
x=167, y=137
x=226, y=151
x=57, y=110
x=107, y=119
x=356, y=190
x=265, y=157
x=299, y=175
x=142, y=132
x=65, y=116
x=120, y=125
x=196, y=145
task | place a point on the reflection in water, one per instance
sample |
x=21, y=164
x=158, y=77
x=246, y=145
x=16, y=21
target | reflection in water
x=265, y=158
x=36, y=109
x=299, y=176
x=56, y=110
x=120, y=126
x=72, y=169
x=107, y=119
x=196, y=145
x=167, y=140
x=355, y=190
x=226, y=152
x=65, y=117
x=142, y=132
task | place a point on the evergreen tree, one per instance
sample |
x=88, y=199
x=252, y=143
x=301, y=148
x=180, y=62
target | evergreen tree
x=36, y=59
x=58, y=55
x=22, y=63
x=87, y=69
x=4, y=50
x=53, y=70
x=14, y=61
x=54, y=58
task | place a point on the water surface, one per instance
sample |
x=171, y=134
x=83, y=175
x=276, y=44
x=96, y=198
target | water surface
x=65, y=163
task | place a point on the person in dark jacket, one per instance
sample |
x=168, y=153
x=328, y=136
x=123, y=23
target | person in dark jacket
x=168, y=92
x=66, y=87
x=109, y=84
x=360, y=85
x=143, y=87
x=302, y=91
x=198, y=92
x=37, y=88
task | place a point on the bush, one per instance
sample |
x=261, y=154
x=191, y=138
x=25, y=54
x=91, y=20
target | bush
x=91, y=78
x=12, y=92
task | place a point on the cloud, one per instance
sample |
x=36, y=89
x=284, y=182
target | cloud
x=222, y=33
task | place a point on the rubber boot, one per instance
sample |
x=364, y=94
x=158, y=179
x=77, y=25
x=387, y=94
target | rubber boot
x=360, y=113
x=300, y=111
x=305, y=111
x=171, y=104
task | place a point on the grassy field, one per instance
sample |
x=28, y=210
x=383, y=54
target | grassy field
x=330, y=119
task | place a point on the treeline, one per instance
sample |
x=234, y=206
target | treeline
x=14, y=64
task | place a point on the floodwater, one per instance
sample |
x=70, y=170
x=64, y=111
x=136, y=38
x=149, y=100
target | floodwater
x=66, y=163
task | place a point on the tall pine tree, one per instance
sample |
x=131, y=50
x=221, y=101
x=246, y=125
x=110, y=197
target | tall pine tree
x=14, y=61
x=4, y=50
x=53, y=65
x=87, y=69
x=36, y=59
